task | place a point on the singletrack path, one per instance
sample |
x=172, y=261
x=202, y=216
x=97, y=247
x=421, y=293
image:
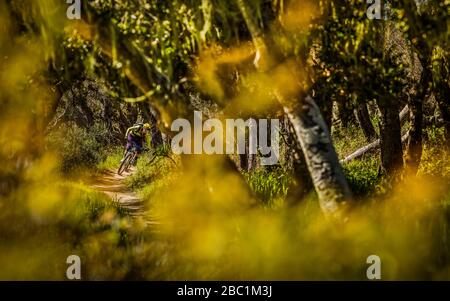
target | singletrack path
x=113, y=185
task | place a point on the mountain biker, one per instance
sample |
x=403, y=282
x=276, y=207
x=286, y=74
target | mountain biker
x=135, y=137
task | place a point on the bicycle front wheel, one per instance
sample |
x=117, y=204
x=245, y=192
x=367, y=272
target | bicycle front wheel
x=125, y=163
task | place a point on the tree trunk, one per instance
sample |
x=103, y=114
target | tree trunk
x=441, y=85
x=301, y=183
x=321, y=158
x=244, y=159
x=418, y=78
x=363, y=117
x=311, y=133
x=414, y=148
x=323, y=101
x=416, y=14
x=344, y=114
x=375, y=144
x=252, y=162
x=248, y=160
x=443, y=97
x=390, y=138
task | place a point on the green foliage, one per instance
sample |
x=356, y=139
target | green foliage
x=85, y=207
x=151, y=172
x=362, y=175
x=353, y=66
x=212, y=236
x=70, y=218
x=269, y=185
x=78, y=147
x=112, y=159
x=162, y=150
x=164, y=33
x=347, y=140
x=435, y=158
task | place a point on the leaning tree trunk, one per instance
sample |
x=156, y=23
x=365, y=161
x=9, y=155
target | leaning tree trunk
x=321, y=158
x=301, y=183
x=363, y=117
x=390, y=138
x=311, y=133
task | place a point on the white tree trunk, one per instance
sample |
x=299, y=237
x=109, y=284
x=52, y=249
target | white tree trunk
x=321, y=158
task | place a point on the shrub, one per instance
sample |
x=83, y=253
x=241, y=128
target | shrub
x=112, y=159
x=77, y=147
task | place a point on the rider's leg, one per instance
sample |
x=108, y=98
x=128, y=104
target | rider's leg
x=127, y=147
x=138, y=146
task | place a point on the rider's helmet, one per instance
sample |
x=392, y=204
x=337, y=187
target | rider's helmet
x=146, y=126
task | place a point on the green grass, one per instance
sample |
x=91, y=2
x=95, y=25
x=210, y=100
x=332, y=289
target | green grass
x=85, y=207
x=348, y=140
x=362, y=175
x=112, y=159
x=117, y=240
x=269, y=186
x=152, y=173
x=435, y=159
x=69, y=218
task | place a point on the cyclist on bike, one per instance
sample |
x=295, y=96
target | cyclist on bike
x=136, y=136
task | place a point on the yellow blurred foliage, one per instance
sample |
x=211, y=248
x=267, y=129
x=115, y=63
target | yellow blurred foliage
x=298, y=14
x=215, y=225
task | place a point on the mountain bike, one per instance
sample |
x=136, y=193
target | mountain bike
x=128, y=161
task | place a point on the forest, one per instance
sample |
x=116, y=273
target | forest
x=350, y=100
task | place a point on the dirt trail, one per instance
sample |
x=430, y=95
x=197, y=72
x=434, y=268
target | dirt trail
x=113, y=185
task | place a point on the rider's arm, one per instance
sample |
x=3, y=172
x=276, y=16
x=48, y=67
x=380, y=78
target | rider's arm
x=129, y=130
